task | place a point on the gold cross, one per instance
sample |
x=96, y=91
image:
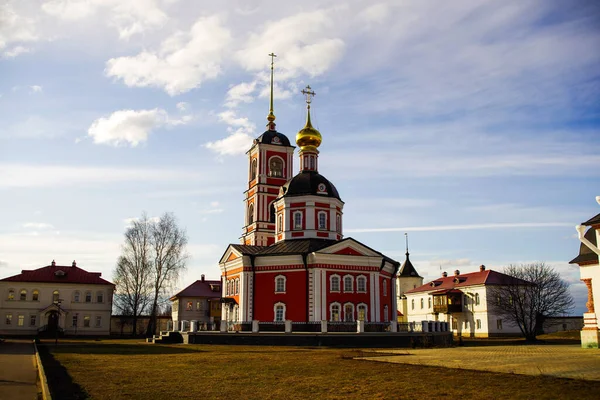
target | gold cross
x=272, y=55
x=309, y=94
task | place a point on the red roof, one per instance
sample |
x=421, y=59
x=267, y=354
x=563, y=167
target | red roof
x=200, y=289
x=485, y=277
x=52, y=274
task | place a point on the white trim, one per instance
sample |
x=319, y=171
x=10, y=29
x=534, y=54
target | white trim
x=297, y=227
x=331, y=283
x=277, y=278
x=335, y=303
x=275, y=311
x=352, y=319
x=357, y=279
x=351, y=283
x=324, y=227
x=283, y=169
x=359, y=305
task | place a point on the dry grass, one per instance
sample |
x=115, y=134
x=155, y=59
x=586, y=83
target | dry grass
x=135, y=370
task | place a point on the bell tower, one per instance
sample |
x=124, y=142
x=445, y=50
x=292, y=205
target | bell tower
x=270, y=166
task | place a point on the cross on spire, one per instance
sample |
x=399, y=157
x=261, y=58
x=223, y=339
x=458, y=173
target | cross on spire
x=406, y=237
x=308, y=93
x=271, y=116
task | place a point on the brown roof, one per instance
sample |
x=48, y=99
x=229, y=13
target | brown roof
x=408, y=270
x=586, y=255
x=200, y=288
x=486, y=277
x=592, y=221
x=52, y=274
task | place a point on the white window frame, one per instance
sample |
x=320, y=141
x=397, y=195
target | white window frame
x=323, y=214
x=339, y=283
x=386, y=313
x=11, y=295
x=351, y=283
x=384, y=286
x=339, y=314
x=280, y=278
x=429, y=302
x=477, y=300
x=8, y=319
x=361, y=278
x=250, y=213
x=76, y=296
x=279, y=304
x=358, y=307
x=237, y=285
x=33, y=318
x=20, y=320
x=271, y=174
x=88, y=292
x=21, y=292
x=55, y=296
x=253, y=168
x=99, y=296
x=87, y=321
x=297, y=226
x=338, y=223
x=280, y=223
x=412, y=304
x=351, y=319
x=422, y=303
x=478, y=324
x=98, y=321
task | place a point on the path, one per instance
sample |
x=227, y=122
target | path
x=18, y=371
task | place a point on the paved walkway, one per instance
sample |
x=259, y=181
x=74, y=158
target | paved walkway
x=18, y=371
x=564, y=361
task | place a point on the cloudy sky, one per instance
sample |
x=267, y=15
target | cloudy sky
x=473, y=126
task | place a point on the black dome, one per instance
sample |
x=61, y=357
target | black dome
x=269, y=138
x=310, y=183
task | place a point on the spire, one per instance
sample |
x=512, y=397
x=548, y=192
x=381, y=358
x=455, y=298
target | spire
x=309, y=94
x=308, y=138
x=407, y=270
x=271, y=116
x=406, y=236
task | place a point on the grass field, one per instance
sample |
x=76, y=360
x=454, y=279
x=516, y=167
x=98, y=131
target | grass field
x=129, y=369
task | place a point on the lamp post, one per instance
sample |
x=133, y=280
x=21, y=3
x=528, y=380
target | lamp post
x=58, y=302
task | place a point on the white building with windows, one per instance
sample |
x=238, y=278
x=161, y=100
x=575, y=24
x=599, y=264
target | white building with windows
x=200, y=302
x=55, y=298
x=462, y=300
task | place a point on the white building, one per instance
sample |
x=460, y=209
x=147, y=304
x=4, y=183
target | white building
x=199, y=302
x=462, y=300
x=55, y=298
x=589, y=269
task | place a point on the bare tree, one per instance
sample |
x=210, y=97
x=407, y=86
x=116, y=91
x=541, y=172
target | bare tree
x=133, y=274
x=535, y=293
x=168, y=244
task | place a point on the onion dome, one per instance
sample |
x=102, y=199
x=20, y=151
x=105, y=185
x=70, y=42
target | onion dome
x=308, y=138
x=309, y=183
x=273, y=137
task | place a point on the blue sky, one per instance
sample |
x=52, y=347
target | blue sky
x=474, y=127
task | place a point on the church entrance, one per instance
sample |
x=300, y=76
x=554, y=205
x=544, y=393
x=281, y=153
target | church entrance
x=52, y=321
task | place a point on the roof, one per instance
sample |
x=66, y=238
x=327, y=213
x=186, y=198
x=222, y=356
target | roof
x=485, y=277
x=586, y=255
x=274, y=137
x=592, y=221
x=310, y=183
x=200, y=288
x=48, y=274
x=407, y=270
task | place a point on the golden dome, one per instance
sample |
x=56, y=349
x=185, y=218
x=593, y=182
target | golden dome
x=308, y=138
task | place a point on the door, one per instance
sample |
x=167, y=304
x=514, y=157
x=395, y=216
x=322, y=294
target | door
x=52, y=321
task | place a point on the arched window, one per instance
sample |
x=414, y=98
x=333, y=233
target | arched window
x=386, y=314
x=251, y=214
x=280, y=282
x=334, y=283
x=334, y=312
x=422, y=303
x=279, y=311
x=361, y=284
x=36, y=295
x=99, y=297
x=253, y=169
x=76, y=296
x=88, y=297
x=237, y=286
x=412, y=304
x=272, y=213
x=280, y=224
x=23, y=295
x=298, y=220
x=348, y=283
x=11, y=294
x=476, y=299
x=348, y=312
x=322, y=220
x=55, y=296
x=362, y=312
x=276, y=167
x=429, y=302
x=338, y=223
x=384, y=287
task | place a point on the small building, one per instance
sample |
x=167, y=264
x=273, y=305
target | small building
x=462, y=300
x=407, y=279
x=200, y=302
x=56, y=299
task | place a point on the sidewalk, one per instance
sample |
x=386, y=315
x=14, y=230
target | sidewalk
x=18, y=371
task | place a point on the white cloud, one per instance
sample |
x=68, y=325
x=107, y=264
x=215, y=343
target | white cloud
x=241, y=93
x=183, y=62
x=15, y=28
x=37, y=225
x=517, y=225
x=129, y=221
x=237, y=143
x=183, y=106
x=36, y=89
x=15, y=51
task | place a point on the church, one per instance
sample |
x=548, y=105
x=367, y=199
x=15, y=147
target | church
x=293, y=262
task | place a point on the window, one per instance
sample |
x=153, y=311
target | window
x=11, y=294
x=98, y=321
x=335, y=283
x=280, y=284
x=199, y=305
x=253, y=169
x=8, y=319
x=86, y=321
x=478, y=324
x=74, y=323
x=322, y=220
x=237, y=286
x=429, y=302
x=279, y=312
x=361, y=284
x=362, y=312
x=338, y=223
x=412, y=304
x=348, y=283
x=348, y=312
x=21, y=320
x=55, y=296
x=385, y=287
x=23, y=295
x=276, y=167
x=476, y=299
x=422, y=303
x=298, y=220
x=88, y=297
x=334, y=311
x=100, y=297
x=189, y=306
x=499, y=324
x=251, y=214
x=32, y=320
x=386, y=314
x=272, y=213
x=280, y=223
x=76, y=297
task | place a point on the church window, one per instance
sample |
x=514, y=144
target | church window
x=280, y=284
x=348, y=312
x=21, y=320
x=23, y=295
x=55, y=296
x=280, y=224
x=36, y=295
x=348, y=283
x=499, y=324
x=276, y=167
x=298, y=220
x=279, y=312
x=362, y=312
x=422, y=303
x=478, y=324
x=476, y=299
x=412, y=304
x=334, y=283
x=311, y=162
x=361, y=284
x=76, y=296
x=100, y=297
x=322, y=220
x=253, y=169
x=386, y=314
x=385, y=288
x=334, y=311
x=11, y=294
x=251, y=214
x=88, y=297
x=429, y=302
x=272, y=213
x=338, y=223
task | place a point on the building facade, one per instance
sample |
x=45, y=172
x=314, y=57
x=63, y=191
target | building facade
x=56, y=299
x=199, y=302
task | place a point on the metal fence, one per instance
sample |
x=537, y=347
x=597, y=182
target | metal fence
x=312, y=326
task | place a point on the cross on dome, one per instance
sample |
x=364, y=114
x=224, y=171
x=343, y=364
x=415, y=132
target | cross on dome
x=271, y=116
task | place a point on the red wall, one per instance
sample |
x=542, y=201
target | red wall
x=342, y=297
x=294, y=296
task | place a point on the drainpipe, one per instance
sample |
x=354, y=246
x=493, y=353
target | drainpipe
x=304, y=261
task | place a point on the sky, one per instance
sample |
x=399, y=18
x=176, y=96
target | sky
x=472, y=126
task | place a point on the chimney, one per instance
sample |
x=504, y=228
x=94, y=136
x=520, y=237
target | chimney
x=456, y=273
x=202, y=277
x=74, y=263
x=444, y=274
x=482, y=268
x=53, y=263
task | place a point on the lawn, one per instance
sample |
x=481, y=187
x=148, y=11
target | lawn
x=136, y=370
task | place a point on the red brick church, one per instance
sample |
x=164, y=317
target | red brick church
x=294, y=263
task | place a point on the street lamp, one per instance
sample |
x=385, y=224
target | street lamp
x=58, y=302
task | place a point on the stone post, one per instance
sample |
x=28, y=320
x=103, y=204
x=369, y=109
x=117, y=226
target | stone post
x=394, y=326
x=254, y=326
x=323, y=326
x=436, y=326
x=223, y=327
x=590, y=335
x=360, y=326
x=288, y=326
x=193, y=325
x=425, y=326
